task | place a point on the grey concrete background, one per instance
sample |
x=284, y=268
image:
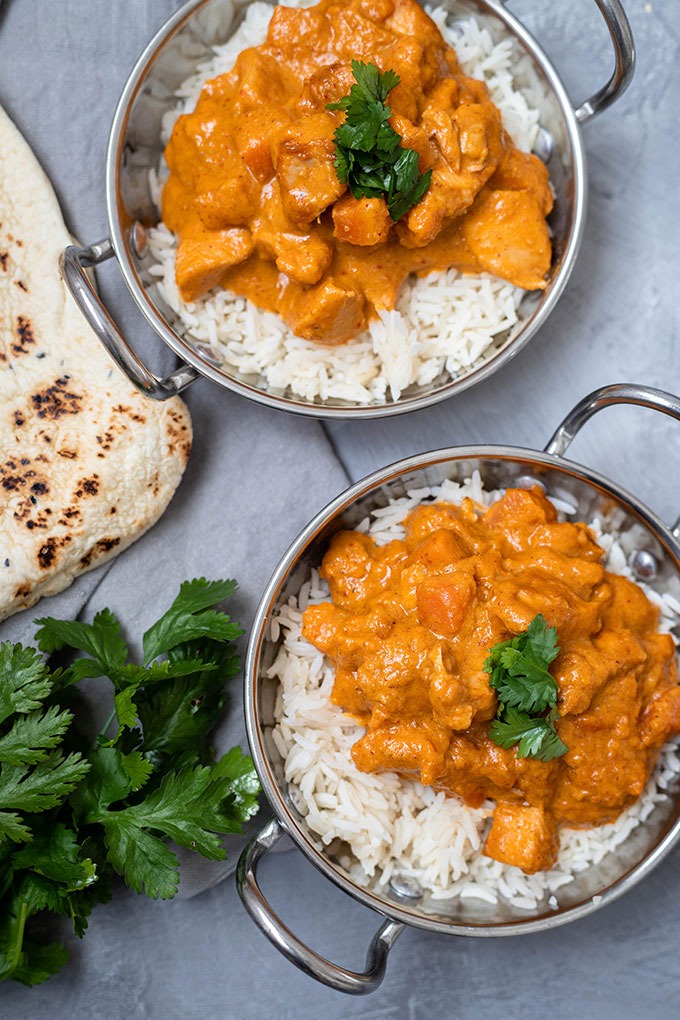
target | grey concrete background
x=62, y=67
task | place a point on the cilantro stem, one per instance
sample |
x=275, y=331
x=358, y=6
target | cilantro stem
x=22, y=917
x=108, y=723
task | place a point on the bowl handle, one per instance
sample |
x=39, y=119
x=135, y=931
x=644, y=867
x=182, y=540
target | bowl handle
x=73, y=263
x=618, y=393
x=624, y=56
x=289, y=944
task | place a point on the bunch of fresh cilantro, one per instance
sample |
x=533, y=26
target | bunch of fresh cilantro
x=73, y=811
x=370, y=158
x=527, y=692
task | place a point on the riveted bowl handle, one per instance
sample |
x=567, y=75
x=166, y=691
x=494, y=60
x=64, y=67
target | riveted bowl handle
x=73, y=263
x=355, y=983
x=618, y=393
x=624, y=57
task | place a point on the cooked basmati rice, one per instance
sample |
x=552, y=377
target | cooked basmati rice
x=396, y=828
x=443, y=324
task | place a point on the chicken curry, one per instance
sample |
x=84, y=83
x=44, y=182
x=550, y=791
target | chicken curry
x=409, y=630
x=255, y=198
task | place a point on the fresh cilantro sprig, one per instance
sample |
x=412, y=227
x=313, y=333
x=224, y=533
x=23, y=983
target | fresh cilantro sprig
x=370, y=158
x=527, y=692
x=533, y=736
x=73, y=814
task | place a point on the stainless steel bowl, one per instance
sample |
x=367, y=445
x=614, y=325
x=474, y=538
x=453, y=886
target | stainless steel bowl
x=135, y=148
x=657, y=550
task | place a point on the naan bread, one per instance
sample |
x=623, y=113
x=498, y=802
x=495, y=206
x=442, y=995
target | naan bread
x=87, y=464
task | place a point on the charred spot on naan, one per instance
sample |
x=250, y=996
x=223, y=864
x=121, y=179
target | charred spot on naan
x=99, y=549
x=57, y=400
x=25, y=337
x=48, y=553
x=178, y=435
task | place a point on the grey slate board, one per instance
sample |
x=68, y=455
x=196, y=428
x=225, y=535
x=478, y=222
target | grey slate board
x=62, y=67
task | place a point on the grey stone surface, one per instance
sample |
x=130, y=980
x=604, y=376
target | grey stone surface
x=62, y=66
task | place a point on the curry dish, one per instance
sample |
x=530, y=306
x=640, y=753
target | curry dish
x=411, y=624
x=254, y=196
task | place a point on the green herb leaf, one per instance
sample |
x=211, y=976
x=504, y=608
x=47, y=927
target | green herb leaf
x=526, y=690
x=188, y=808
x=101, y=639
x=42, y=787
x=72, y=815
x=535, y=737
x=24, y=680
x=519, y=668
x=32, y=736
x=370, y=158
x=190, y=617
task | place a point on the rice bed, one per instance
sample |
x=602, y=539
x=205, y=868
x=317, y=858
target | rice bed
x=444, y=324
x=396, y=829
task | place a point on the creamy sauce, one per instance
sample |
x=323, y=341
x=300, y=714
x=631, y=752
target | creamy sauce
x=409, y=628
x=255, y=199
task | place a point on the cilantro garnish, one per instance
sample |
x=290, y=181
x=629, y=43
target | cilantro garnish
x=370, y=158
x=527, y=692
x=73, y=813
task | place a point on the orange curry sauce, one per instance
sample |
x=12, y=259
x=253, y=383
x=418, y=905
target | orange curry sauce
x=255, y=199
x=412, y=622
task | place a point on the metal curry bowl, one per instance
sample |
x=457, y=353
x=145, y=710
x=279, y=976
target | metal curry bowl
x=135, y=148
x=499, y=466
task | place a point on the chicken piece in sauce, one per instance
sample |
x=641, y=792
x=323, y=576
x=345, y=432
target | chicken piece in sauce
x=255, y=199
x=412, y=622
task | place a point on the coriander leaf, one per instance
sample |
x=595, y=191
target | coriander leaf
x=126, y=710
x=188, y=808
x=369, y=156
x=143, y=860
x=543, y=640
x=55, y=854
x=530, y=691
x=107, y=783
x=189, y=617
x=519, y=668
x=177, y=717
x=239, y=770
x=137, y=769
x=101, y=639
x=535, y=737
x=133, y=675
x=12, y=827
x=23, y=959
x=42, y=787
x=400, y=204
x=526, y=690
x=24, y=680
x=31, y=736
x=38, y=962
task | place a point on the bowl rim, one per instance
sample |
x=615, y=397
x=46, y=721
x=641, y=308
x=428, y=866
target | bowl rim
x=297, y=405
x=530, y=458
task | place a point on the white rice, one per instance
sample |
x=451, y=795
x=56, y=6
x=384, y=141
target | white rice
x=443, y=324
x=395, y=829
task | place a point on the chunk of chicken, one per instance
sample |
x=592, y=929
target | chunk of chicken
x=361, y=221
x=305, y=168
x=508, y=237
x=523, y=836
x=330, y=313
x=203, y=257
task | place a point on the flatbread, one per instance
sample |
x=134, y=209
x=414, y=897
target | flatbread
x=87, y=464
